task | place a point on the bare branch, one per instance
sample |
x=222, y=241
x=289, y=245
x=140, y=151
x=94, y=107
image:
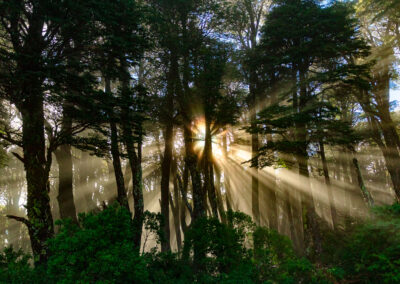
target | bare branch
x=19, y=219
x=18, y=156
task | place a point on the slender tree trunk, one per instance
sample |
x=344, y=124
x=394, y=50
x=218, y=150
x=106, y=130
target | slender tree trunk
x=184, y=201
x=227, y=184
x=169, y=143
x=255, y=199
x=365, y=193
x=175, y=205
x=165, y=178
x=271, y=199
x=328, y=184
x=138, y=195
x=199, y=196
x=65, y=196
x=122, y=196
x=208, y=170
x=135, y=159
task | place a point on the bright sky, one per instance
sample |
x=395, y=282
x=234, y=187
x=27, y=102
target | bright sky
x=395, y=96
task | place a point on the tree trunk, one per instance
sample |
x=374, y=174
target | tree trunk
x=365, y=193
x=227, y=184
x=311, y=233
x=175, y=205
x=392, y=141
x=328, y=184
x=165, y=178
x=255, y=199
x=208, y=170
x=270, y=188
x=135, y=159
x=122, y=196
x=184, y=201
x=40, y=220
x=169, y=144
x=65, y=196
x=199, y=196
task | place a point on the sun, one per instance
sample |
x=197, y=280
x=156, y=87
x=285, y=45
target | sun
x=199, y=131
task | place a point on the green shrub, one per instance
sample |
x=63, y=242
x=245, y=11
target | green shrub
x=369, y=252
x=101, y=250
x=15, y=268
x=217, y=247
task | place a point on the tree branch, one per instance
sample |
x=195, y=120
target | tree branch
x=18, y=156
x=19, y=219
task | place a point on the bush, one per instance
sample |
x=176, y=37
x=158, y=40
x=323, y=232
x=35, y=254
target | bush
x=101, y=250
x=217, y=247
x=370, y=252
x=15, y=268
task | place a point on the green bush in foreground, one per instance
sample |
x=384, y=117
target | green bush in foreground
x=101, y=250
x=369, y=252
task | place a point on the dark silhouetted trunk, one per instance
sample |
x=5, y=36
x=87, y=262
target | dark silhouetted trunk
x=364, y=191
x=184, y=202
x=134, y=156
x=165, y=178
x=311, y=226
x=169, y=144
x=65, y=195
x=208, y=170
x=37, y=167
x=175, y=206
x=255, y=199
x=199, y=196
x=122, y=196
x=227, y=185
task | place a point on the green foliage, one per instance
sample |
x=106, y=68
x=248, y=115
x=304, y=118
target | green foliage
x=14, y=267
x=303, y=56
x=276, y=261
x=217, y=247
x=369, y=252
x=101, y=250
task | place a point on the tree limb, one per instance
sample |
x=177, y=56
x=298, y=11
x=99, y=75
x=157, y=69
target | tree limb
x=19, y=219
x=18, y=156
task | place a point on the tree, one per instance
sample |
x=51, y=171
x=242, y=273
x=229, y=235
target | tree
x=305, y=50
x=381, y=31
x=37, y=38
x=243, y=21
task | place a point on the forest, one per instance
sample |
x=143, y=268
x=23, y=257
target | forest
x=199, y=141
